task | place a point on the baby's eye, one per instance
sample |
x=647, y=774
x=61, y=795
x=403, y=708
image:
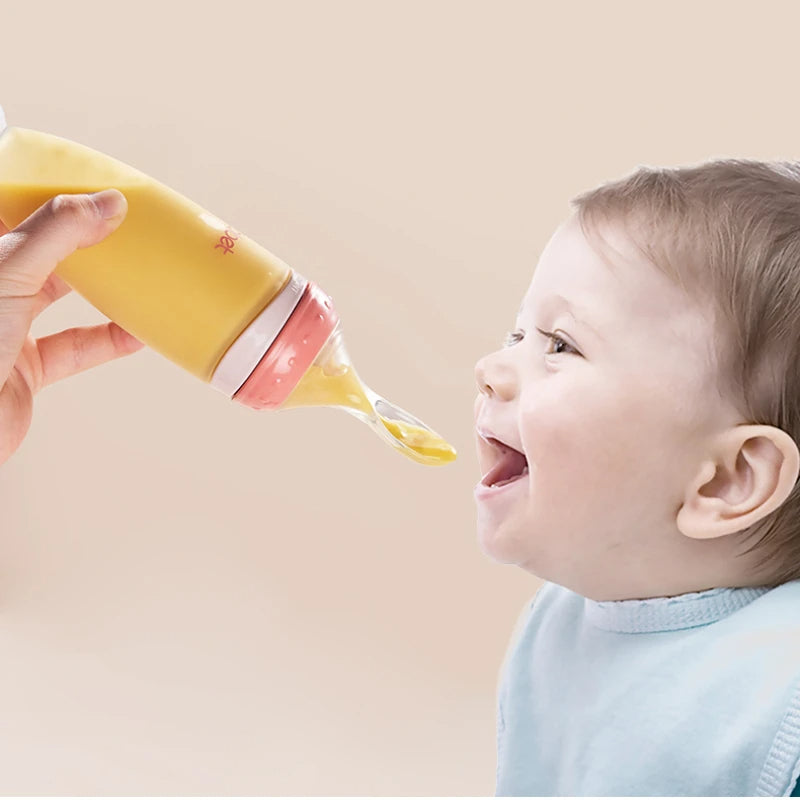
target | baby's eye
x=513, y=337
x=556, y=341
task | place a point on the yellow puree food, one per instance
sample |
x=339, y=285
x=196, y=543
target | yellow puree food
x=341, y=387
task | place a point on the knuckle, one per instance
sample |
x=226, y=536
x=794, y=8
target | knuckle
x=78, y=342
x=72, y=207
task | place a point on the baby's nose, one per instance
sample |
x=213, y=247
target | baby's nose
x=496, y=378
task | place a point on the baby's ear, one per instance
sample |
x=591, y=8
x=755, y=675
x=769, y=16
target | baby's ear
x=750, y=473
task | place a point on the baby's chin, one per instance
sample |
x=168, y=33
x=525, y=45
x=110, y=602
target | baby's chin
x=504, y=542
x=513, y=542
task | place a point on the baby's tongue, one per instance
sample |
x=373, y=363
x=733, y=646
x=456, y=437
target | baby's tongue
x=512, y=465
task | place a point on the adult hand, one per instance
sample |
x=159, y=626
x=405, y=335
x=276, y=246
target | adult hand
x=28, y=256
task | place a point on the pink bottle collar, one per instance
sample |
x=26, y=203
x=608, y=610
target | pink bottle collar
x=292, y=353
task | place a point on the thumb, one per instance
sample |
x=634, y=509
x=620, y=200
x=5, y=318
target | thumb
x=30, y=252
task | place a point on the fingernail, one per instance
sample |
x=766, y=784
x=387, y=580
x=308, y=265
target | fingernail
x=110, y=203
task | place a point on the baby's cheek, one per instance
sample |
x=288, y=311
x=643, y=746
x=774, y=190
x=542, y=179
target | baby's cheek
x=584, y=450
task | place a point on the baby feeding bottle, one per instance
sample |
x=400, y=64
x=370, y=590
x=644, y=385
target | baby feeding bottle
x=202, y=294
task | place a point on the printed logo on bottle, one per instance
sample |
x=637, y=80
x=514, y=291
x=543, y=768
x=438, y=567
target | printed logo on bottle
x=228, y=241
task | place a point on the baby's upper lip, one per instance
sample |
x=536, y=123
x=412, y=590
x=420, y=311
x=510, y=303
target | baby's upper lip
x=488, y=434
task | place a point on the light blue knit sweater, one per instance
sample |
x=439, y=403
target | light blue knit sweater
x=695, y=695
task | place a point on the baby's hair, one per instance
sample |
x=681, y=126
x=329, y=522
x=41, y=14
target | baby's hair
x=728, y=233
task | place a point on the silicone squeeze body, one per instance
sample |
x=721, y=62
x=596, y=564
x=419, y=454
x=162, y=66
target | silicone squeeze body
x=202, y=294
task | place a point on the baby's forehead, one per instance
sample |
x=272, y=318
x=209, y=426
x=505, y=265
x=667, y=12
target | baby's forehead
x=575, y=270
x=607, y=283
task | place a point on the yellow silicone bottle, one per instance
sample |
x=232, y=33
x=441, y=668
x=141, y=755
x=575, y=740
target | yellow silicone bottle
x=202, y=294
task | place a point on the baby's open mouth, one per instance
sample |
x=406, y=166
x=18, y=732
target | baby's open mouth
x=509, y=466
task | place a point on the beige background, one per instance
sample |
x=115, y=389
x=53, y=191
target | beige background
x=197, y=598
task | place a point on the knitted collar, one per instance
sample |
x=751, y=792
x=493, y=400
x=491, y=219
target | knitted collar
x=659, y=614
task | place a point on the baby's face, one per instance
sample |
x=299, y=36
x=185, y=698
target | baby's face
x=606, y=407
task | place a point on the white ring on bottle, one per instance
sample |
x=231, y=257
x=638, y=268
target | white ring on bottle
x=242, y=357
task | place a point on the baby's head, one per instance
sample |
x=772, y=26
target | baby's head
x=651, y=390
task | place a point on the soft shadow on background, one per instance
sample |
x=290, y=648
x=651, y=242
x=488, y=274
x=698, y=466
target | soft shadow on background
x=200, y=598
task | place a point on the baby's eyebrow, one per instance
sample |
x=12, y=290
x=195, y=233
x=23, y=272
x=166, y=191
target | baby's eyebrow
x=573, y=309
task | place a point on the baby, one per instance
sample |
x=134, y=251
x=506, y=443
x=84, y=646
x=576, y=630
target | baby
x=637, y=439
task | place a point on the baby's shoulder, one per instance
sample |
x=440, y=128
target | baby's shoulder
x=770, y=623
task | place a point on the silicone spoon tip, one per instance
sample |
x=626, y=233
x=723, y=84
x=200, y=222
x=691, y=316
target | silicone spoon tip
x=409, y=435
